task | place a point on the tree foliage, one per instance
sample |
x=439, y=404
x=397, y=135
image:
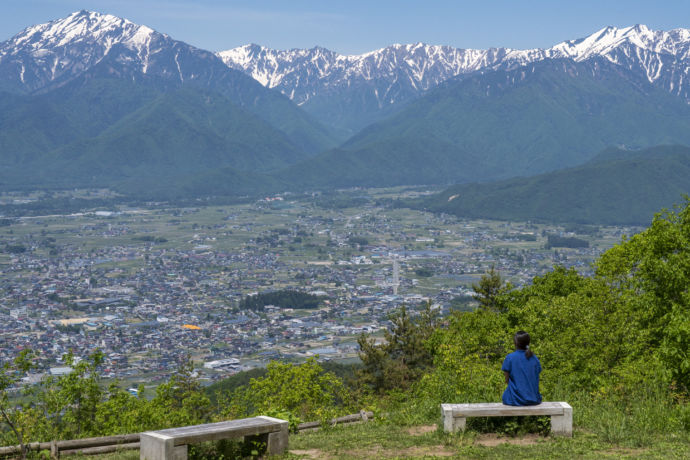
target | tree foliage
x=285, y=298
x=652, y=271
x=557, y=241
x=489, y=290
x=10, y=374
x=304, y=391
x=403, y=357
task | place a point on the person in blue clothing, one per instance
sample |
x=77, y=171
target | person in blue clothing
x=521, y=369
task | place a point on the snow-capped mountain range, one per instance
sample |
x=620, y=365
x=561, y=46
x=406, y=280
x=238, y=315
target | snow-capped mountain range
x=301, y=74
x=347, y=92
x=93, y=99
x=86, y=46
x=87, y=43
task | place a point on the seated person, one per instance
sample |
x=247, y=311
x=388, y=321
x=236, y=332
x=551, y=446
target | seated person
x=521, y=369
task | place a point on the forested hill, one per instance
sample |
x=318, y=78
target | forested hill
x=615, y=187
x=499, y=124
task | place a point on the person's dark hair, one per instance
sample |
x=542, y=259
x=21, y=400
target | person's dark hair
x=522, y=340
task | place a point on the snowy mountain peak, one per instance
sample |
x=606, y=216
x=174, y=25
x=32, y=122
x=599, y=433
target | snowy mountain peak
x=85, y=42
x=81, y=26
x=607, y=40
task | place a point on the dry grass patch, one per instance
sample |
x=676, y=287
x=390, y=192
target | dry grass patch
x=493, y=439
x=407, y=452
x=310, y=453
x=624, y=452
x=420, y=430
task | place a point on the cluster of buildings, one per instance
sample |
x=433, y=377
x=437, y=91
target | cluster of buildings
x=150, y=300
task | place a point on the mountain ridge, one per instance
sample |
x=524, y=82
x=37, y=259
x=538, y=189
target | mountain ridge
x=87, y=76
x=88, y=45
x=617, y=186
x=397, y=74
x=499, y=124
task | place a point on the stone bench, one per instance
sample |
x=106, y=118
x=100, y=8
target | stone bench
x=171, y=444
x=455, y=415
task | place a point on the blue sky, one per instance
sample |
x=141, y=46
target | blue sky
x=356, y=26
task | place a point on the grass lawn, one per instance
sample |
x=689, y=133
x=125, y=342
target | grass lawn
x=376, y=440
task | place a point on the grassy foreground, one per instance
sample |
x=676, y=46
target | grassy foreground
x=376, y=440
x=388, y=441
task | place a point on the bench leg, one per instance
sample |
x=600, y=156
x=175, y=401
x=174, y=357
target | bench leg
x=180, y=452
x=562, y=425
x=154, y=446
x=451, y=424
x=277, y=443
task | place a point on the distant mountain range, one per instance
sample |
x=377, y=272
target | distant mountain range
x=350, y=92
x=498, y=124
x=95, y=100
x=616, y=187
x=89, y=46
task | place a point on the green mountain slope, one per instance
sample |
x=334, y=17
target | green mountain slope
x=27, y=130
x=173, y=135
x=615, y=187
x=498, y=124
x=30, y=126
x=302, y=129
x=102, y=128
x=407, y=160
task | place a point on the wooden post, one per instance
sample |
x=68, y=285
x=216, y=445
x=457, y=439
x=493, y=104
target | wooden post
x=54, y=450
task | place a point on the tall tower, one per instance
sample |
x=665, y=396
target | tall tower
x=396, y=276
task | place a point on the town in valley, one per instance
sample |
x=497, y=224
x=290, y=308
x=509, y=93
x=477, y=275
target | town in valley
x=154, y=285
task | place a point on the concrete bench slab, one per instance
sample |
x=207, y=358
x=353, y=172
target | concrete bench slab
x=455, y=415
x=171, y=443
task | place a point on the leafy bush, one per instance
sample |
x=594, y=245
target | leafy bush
x=303, y=392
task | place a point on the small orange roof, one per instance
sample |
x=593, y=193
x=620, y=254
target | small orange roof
x=192, y=327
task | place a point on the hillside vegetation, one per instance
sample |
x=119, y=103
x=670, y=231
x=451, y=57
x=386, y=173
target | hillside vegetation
x=112, y=132
x=153, y=139
x=616, y=346
x=498, y=124
x=616, y=187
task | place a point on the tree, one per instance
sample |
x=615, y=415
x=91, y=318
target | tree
x=71, y=401
x=181, y=401
x=652, y=269
x=10, y=374
x=489, y=289
x=404, y=355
